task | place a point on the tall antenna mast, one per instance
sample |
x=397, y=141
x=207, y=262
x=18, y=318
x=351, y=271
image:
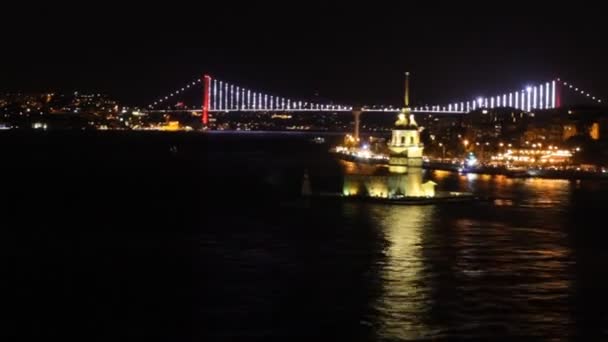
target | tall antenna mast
x=407, y=89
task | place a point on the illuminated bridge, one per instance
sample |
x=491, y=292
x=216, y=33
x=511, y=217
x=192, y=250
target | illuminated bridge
x=222, y=96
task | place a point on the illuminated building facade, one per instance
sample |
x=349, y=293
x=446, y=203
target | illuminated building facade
x=569, y=131
x=405, y=147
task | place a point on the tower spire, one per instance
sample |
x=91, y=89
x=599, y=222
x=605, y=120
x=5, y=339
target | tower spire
x=407, y=89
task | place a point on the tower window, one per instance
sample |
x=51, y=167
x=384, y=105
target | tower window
x=402, y=140
x=411, y=140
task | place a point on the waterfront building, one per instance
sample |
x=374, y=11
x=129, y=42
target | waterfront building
x=404, y=175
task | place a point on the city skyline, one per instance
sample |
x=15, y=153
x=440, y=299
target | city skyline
x=339, y=53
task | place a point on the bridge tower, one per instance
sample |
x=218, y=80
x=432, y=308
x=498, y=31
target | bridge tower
x=405, y=147
x=206, y=99
x=357, y=114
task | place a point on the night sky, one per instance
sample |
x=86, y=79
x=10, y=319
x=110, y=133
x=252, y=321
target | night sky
x=346, y=53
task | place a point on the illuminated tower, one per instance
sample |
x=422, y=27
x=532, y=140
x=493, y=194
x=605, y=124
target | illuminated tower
x=405, y=147
x=206, y=99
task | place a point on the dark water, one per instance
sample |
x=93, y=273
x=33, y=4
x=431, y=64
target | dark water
x=115, y=237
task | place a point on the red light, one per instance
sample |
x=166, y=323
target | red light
x=206, y=98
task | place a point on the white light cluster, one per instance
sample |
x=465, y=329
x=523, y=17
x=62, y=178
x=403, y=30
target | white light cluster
x=542, y=96
x=229, y=97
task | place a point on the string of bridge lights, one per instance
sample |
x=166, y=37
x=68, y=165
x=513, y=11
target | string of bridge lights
x=540, y=96
x=578, y=90
x=225, y=96
x=161, y=100
x=229, y=97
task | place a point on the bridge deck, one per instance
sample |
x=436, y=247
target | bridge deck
x=303, y=111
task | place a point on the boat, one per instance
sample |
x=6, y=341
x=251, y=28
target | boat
x=318, y=140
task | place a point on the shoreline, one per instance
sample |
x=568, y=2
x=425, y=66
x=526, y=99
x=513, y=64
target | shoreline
x=495, y=171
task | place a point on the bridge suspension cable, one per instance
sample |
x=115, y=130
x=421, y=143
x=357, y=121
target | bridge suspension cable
x=229, y=97
x=539, y=96
x=162, y=100
x=577, y=90
x=222, y=96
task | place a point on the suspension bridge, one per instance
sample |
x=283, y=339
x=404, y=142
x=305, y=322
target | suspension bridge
x=222, y=96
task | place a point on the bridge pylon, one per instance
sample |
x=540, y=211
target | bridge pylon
x=206, y=99
x=357, y=111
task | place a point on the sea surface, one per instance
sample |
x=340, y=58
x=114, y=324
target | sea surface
x=179, y=237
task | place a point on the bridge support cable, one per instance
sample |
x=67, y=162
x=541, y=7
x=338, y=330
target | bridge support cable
x=219, y=95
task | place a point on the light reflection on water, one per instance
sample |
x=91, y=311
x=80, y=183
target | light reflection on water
x=478, y=270
x=234, y=258
x=523, y=192
x=521, y=265
x=404, y=269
